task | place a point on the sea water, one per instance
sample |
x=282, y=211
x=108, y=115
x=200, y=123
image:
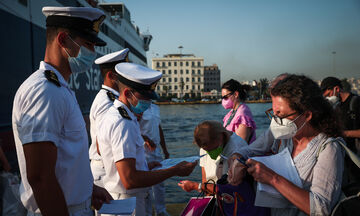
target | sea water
x=178, y=123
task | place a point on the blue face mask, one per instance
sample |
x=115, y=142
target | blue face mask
x=141, y=106
x=83, y=61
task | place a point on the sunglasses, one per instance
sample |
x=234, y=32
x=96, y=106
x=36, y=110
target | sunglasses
x=227, y=95
x=270, y=114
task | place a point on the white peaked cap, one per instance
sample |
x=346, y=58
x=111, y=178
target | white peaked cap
x=113, y=57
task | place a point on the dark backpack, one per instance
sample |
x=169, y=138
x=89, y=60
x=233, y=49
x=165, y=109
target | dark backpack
x=348, y=204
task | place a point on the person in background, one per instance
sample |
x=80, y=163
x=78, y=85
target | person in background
x=49, y=128
x=150, y=127
x=305, y=123
x=103, y=101
x=121, y=145
x=239, y=119
x=347, y=106
x=218, y=144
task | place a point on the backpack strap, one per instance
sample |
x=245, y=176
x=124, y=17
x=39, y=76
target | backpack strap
x=355, y=159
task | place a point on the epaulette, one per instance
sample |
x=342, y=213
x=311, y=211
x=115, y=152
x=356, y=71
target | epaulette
x=111, y=96
x=52, y=77
x=124, y=113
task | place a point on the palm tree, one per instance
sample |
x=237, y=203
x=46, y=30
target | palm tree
x=263, y=86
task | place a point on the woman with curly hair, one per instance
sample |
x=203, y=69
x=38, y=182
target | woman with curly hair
x=303, y=122
x=239, y=119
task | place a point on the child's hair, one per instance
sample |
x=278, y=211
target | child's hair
x=211, y=129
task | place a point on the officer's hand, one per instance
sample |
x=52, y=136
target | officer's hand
x=153, y=164
x=185, y=168
x=99, y=196
x=149, y=144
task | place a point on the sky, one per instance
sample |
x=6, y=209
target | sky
x=253, y=39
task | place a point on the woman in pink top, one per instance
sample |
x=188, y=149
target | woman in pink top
x=239, y=119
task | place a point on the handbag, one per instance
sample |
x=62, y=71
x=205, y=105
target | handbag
x=201, y=205
x=237, y=200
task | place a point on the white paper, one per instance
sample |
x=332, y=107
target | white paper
x=173, y=161
x=282, y=164
x=122, y=207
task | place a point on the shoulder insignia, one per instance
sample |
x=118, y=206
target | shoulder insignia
x=52, y=77
x=111, y=96
x=124, y=113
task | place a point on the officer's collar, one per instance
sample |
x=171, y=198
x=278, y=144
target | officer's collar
x=118, y=104
x=46, y=66
x=116, y=93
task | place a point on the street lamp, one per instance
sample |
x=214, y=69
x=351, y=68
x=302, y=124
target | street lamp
x=334, y=53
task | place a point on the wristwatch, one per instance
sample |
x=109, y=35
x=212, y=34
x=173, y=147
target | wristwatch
x=199, y=187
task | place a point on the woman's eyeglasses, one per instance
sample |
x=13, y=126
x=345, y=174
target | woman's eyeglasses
x=227, y=95
x=270, y=114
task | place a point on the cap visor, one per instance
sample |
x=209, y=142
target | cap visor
x=92, y=37
x=149, y=94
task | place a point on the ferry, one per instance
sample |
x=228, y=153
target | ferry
x=23, y=43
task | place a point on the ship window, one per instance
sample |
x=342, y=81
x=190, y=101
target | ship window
x=23, y=2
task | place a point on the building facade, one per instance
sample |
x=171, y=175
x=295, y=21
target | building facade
x=183, y=75
x=212, y=78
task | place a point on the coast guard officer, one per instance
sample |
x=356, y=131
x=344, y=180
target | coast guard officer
x=103, y=101
x=49, y=129
x=120, y=143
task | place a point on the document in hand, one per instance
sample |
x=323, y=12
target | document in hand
x=119, y=207
x=282, y=164
x=173, y=161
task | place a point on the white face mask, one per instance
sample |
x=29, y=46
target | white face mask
x=286, y=130
x=334, y=100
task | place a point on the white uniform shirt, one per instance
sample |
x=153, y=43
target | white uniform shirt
x=99, y=106
x=149, y=126
x=233, y=146
x=45, y=112
x=119, y=138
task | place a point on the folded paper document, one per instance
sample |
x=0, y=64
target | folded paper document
x=173, y=161
x=119, y=207
x=282, y=164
